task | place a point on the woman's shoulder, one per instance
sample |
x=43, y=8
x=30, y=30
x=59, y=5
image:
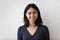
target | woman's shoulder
x=44, y=27
x=20, y=27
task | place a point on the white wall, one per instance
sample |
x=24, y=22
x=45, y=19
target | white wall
x=11, y=17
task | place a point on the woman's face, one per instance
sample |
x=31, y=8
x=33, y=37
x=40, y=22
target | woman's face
x=31, y=15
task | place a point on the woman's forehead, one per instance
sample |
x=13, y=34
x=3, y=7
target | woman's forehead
x=31, y=10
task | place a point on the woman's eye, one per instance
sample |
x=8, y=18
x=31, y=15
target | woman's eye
x=34, y=12
x=29, y=13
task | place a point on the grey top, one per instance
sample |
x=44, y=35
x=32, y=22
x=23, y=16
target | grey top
x=42, y=33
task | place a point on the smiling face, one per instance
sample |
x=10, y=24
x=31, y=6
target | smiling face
x=31, y=15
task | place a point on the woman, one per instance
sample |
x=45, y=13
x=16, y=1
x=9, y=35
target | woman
x=32, y=28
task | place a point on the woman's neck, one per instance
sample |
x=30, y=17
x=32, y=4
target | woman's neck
x=32, y=25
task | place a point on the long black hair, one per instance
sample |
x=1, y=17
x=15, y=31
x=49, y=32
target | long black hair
x=38, y=20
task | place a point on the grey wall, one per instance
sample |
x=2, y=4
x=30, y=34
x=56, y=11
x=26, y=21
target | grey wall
x=11, y=17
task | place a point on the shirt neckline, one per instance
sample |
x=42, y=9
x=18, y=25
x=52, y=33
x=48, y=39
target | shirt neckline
x=29, y=33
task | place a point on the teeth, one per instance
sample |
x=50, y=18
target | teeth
x=32, y=19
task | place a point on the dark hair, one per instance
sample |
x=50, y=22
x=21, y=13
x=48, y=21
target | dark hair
x=38, y=21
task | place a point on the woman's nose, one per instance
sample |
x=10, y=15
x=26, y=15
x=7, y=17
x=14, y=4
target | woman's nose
x=32, y=15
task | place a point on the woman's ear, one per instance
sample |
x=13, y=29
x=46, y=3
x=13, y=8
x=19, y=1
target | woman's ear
x=26, y=14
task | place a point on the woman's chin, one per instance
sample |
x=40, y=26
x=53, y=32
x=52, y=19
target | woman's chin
x=32, y=21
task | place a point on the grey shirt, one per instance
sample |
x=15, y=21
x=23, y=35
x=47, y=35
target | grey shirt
x=42, y=33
